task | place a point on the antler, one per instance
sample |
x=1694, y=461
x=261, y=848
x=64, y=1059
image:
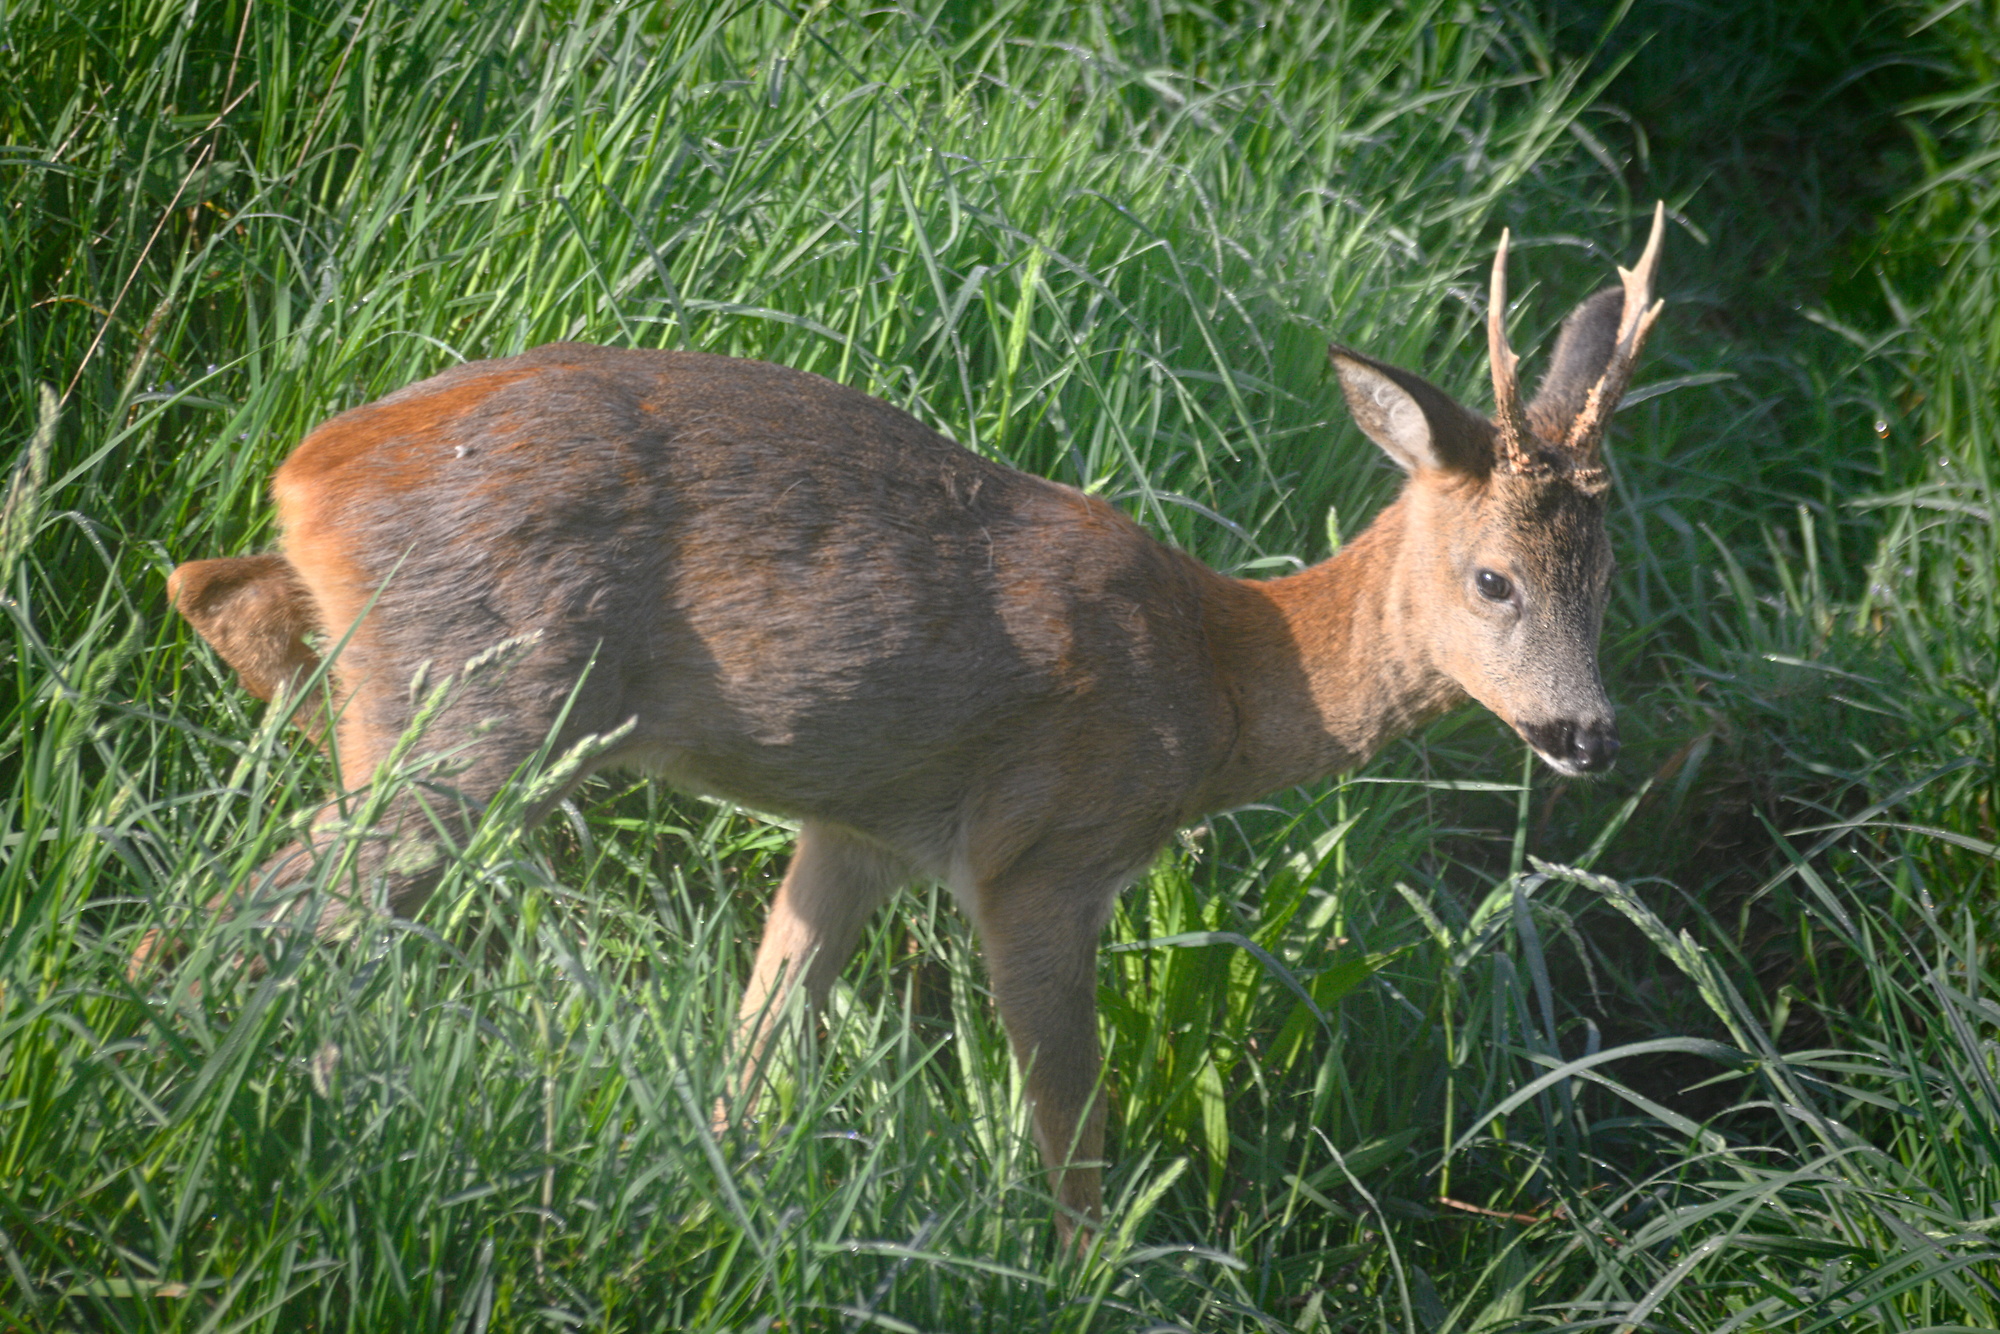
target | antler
x=1586, y=433
x=1512, y=421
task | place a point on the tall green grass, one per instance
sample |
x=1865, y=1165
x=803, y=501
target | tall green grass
x=1365, y=1054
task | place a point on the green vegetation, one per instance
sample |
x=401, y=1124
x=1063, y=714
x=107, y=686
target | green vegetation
x=1748, y=1083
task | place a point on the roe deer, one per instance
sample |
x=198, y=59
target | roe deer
x=780, y=591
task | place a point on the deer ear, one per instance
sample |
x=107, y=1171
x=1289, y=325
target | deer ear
x=1583, y=350
x=1417, y=424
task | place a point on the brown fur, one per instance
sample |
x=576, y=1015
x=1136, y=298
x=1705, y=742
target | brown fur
x=255, y=614
x=797, y=597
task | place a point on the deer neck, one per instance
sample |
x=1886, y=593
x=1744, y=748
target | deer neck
x=1323, y=667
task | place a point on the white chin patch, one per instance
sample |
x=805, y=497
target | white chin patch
x=1564, y=767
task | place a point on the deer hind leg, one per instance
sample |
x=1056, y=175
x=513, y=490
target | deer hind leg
x=1040, y=934
x=489, y=726
x=420, y=795
x=835, y=883
x=332, y=882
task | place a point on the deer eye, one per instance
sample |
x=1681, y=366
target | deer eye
x=1494, y=586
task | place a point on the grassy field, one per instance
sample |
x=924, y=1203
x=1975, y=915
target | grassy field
x=1708, y=1046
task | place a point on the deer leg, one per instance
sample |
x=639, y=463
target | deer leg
x=392, y=865
x=835, y=883
x=1041, y=952
x=335, y=879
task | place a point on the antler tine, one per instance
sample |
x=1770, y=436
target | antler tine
x=1507, y=414
x=1586, y=433
x=1638, y=280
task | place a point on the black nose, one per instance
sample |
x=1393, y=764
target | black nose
x=1593, y=748
x=1590, y=747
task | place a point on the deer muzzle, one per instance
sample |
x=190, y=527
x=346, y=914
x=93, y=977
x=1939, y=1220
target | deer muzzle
x=1573, y=747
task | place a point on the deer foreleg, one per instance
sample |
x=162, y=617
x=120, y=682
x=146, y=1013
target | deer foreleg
x=835, y=883
x=1041, y=951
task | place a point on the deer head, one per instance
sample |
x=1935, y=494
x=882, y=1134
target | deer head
x=1504, y=561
